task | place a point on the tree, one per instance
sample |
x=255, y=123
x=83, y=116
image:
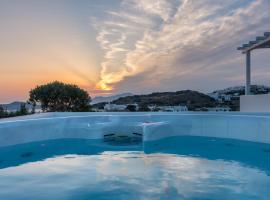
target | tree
x=144, y=108
x=2, y=112
x=131, y=108
x=61, y=97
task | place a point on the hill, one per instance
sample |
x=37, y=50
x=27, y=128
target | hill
x=100, y=99
x=16, y=105
x=240, y=90
x=231, y=96
x=192, y=99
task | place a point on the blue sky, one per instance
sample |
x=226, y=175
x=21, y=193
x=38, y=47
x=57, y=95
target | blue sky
x=139, y=46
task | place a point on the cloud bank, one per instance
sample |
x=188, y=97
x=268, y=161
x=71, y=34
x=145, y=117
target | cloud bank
x=153, y=45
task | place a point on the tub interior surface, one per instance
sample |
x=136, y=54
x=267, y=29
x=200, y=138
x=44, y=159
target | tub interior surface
x=178, y=167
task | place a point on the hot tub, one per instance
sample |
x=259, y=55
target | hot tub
x=135, y=156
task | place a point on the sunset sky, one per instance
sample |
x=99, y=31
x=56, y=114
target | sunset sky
x=138, y=46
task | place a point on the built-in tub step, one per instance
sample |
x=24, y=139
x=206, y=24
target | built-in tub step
x=123, y=138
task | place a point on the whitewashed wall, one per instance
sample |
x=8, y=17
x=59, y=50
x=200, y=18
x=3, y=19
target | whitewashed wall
x=255, y=103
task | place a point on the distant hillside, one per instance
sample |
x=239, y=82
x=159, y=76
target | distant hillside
x=14, y=106
x=255, y=89
x=100, y=99
x=234, y=94
x=192, y=99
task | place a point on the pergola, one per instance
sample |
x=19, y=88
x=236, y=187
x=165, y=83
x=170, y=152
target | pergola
x=260, y=43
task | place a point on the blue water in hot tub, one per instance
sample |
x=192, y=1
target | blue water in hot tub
x=196, y=168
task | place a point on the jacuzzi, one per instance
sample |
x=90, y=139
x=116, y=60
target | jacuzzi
x=66, y=156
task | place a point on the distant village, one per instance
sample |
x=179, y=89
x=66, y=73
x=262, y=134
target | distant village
x=135, y=107
x=110, y=107
x=222, y=101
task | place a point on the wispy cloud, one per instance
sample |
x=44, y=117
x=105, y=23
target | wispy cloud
x=163, y=42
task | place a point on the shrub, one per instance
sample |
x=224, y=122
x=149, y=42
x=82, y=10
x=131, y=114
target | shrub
x=131, y=108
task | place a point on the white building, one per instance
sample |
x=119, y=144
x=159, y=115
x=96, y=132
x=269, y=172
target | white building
x=220, y=97
x=219, y=109
x=214, y=95
x=172, y=108
x=226, y=97
x=114, y=107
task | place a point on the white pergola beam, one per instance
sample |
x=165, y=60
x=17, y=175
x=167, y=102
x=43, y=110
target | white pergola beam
x=260, y=42
x=248, y=74
x=256, y=45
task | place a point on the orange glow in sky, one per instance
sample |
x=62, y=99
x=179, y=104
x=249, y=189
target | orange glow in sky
x=138, y=46
x=39, y=44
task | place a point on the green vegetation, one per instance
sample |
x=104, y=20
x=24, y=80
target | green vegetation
x=143, y=108
x=131, y=108
x=23, y=111
x=60, y=97
x=191, y=99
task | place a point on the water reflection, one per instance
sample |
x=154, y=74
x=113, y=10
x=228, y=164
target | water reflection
x=247, y=153
x=82, y=169
x=37, y=151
